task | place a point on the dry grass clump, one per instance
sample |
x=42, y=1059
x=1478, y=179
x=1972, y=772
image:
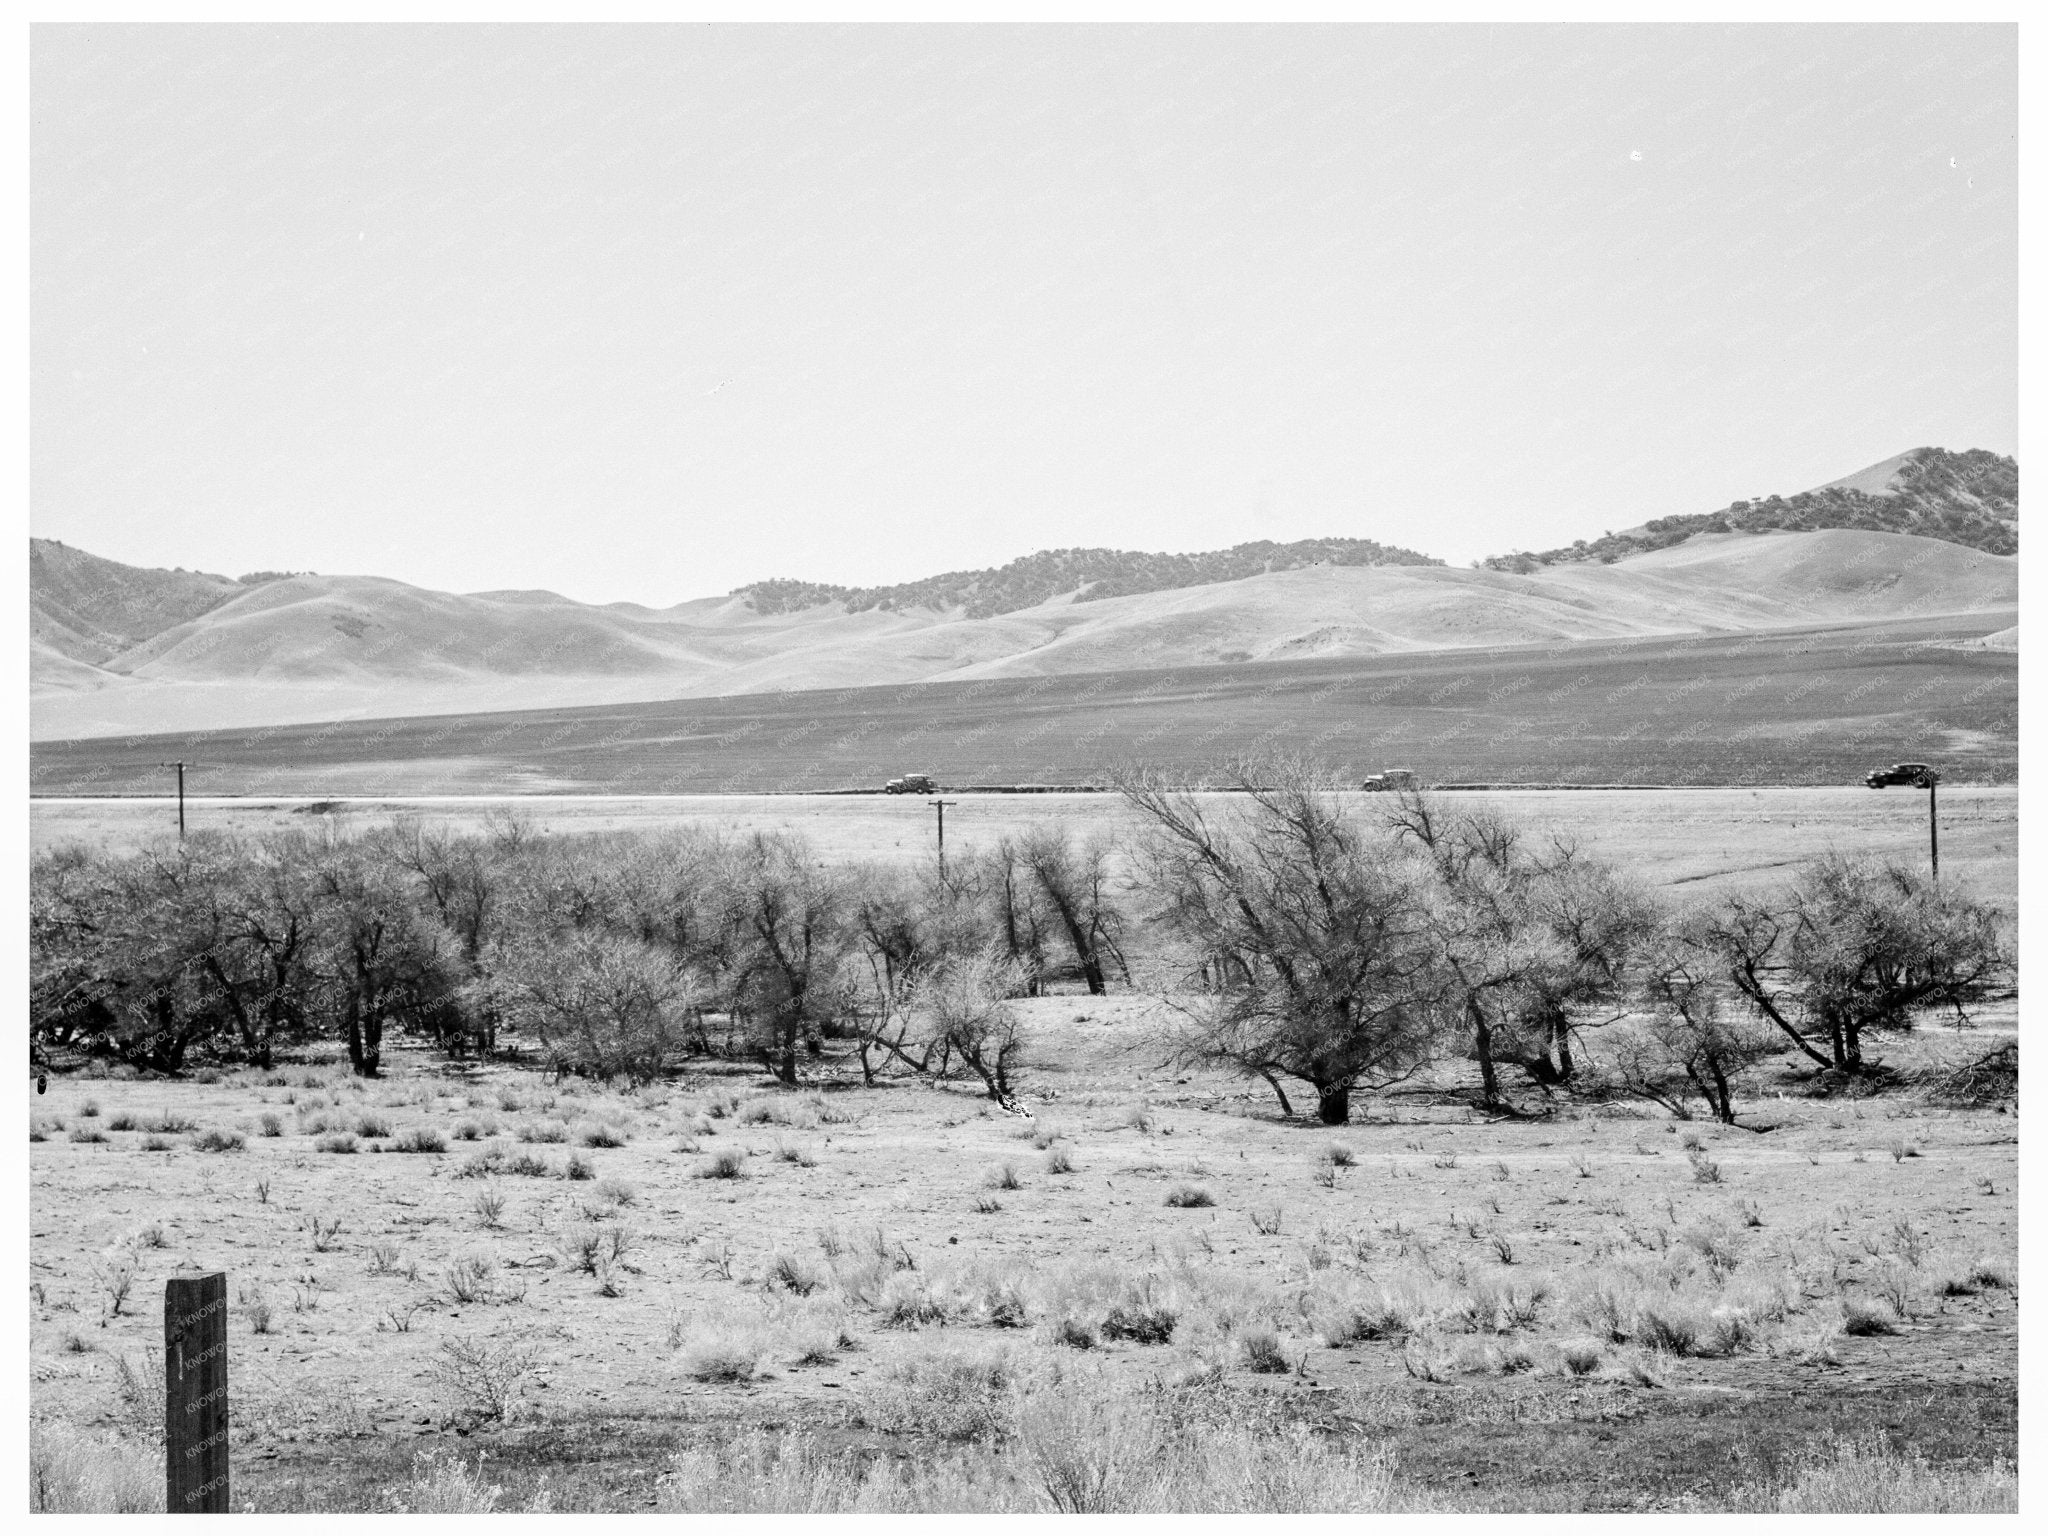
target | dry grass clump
x=420, y=1138
x=914, y=1299
x=722, y=1351
x=1868, y=1316
x=950, y=1392
x=73, y=1473
x=1579, y=1357
x=546, y=1132
x=1868, y=1478
x=443, y=1484
x=1189, y=1197
x=1262, y=1352
x=88, y=1134
x=336, y=1141
x=726, y=1163
x=600, y=1135
x=1070, y=1447
x=372, y=1126
x=764, y=1472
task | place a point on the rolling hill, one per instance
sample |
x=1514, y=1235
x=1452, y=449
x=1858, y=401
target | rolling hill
x=117, y=650
x=1971, y=498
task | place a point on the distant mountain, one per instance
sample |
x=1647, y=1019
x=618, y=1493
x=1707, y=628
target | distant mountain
x=1971, y=498
x=1091, y=574
x=116, y=649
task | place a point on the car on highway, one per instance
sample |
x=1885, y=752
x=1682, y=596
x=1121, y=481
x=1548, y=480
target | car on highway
x=1394, y=779
x=911, y=784
x=1917, y=775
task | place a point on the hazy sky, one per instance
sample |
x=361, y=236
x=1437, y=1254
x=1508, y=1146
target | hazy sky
x=649, y=312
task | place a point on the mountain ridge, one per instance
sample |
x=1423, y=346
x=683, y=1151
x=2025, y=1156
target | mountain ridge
x=116, y=649
x=1969, y=498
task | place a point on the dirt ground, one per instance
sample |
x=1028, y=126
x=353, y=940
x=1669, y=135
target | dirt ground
x=1494, y=1241
x=1691, y=841
x=1825, y=1201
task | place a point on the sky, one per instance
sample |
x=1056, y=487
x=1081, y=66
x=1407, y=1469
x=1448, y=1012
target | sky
x=646, y=313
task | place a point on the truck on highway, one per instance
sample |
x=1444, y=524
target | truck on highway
x=1392, y=779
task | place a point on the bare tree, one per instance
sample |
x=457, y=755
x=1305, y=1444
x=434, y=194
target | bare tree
x=1853, y=945
x=1074, y=880
x=599, y=1004
x=1306, y=933
x=384, y=960
x=1695, y=1041
x=964, y=1003
x=788, y=916
x=1534, y=933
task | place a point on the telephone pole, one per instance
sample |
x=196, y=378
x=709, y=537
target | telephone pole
x=1933, y=827
x=181, y=765
x=941, y=805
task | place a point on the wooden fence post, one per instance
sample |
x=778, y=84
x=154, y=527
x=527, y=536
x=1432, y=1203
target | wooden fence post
x=196, y=1395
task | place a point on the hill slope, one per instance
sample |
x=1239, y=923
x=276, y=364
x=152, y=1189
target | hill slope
x=327, y=648
x=1970, y=498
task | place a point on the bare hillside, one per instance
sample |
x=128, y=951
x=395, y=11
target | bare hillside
x=324, y=648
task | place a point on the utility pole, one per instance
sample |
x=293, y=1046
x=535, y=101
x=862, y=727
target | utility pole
x=941, y=805
x=181, y=765
x=1933, y=827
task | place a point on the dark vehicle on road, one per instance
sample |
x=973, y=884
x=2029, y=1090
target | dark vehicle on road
x=1918, y=775
x=910, y=784
x=1392, y=779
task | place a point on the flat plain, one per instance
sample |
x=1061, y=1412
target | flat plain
x=1596, y=1308
x=1803, y=706
x=1689, y=841
x=1563, y=1313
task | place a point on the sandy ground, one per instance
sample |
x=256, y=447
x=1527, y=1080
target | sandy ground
x=911, y=1168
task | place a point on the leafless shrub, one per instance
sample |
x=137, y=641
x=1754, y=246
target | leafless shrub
x=469, y=1279
x=484, y=1377
x=114, y=1273
x=324, y=1232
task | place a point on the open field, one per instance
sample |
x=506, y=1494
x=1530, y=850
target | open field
x=905, y=1298
x=1793, y=706
x=1565, y=1313
x=1692, y=842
